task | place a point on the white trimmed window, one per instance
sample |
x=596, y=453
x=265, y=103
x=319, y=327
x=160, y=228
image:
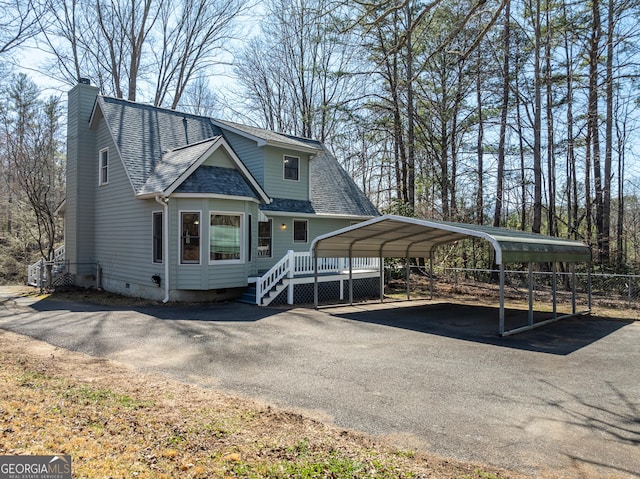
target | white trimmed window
x=225, y=237
x=103, y=172
x=291, y=168
x=190, y=237
x=157, y=232
x=265, y=229
x=300, y=231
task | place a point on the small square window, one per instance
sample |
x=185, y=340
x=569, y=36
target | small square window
x=300, y=231
x=291, y=168
x=103, y=173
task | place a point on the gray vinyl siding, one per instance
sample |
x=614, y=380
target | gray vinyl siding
x=274, y=183
x=248, y=151
x=81, y=167
x=219, y=158
x=122, y=227
x=282, y=240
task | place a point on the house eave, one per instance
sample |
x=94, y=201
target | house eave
x=334, y=216
x=264, y=142
x=166, y=194
x=304, y=149
x=214, y=196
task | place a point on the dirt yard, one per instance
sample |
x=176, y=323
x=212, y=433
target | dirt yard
x=118, y=423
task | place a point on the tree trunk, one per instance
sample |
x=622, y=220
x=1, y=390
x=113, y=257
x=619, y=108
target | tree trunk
x=592, y=119
x=572, y=179
x=608, y=149
x=480, y=146
x=552, y=227
x=503, y=116
x=411, y=159
x=620, y=253
x=537, y=125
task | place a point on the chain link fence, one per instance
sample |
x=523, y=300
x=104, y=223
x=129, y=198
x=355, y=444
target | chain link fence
x=620, y=291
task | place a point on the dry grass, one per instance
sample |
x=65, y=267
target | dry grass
x=117, y=423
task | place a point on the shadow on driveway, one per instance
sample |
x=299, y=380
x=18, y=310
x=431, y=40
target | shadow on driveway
x=480, y=324
x=221, y=312
x=465, y=322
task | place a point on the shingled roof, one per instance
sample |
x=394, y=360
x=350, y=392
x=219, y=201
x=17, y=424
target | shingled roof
x=144, y=134
x=217, y=180
x=333, y=191
x=174, y=163
x=267, y=137
x=158, y=147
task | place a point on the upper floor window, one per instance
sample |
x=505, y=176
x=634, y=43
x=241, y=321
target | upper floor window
x=225, y=237
x=157, y=236
x=300, y=231
x=190, y=238
x=291, y=168
x=103, y=173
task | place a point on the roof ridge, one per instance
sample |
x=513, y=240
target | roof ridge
x=286, y=135
x=194, y=144
x=154, y=107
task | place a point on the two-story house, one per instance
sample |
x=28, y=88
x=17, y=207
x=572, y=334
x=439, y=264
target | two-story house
x=172, y=206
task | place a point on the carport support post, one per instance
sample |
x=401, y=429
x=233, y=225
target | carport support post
x=381, y=279
x=530, y=294
x=408, y=276
x=350, y=276
x=554, y=290
x=501, y=328
x=431, y=275
x=589, y=285
x=315, y=279
x=573, y=288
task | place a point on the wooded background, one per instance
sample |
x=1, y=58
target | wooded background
x=517, y=113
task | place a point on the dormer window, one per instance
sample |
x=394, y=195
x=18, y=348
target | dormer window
x=103, y=173
x=291, y=168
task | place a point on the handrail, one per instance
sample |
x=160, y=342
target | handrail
x=33, y=271
x=272, y=277
x=304, y=264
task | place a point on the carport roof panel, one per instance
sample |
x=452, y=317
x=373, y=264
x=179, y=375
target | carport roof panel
x=398, y=236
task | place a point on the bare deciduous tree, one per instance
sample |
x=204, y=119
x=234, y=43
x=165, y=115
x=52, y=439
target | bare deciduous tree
x=31, y=129
x=192, y=39
x=20, y=22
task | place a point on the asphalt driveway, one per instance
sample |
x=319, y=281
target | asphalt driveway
x=564, y=399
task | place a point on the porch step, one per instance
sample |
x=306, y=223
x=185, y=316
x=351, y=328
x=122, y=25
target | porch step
x=249, y=296
x=273, y=294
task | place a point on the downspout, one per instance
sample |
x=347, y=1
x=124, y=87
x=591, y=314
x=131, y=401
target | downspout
x=164, y=201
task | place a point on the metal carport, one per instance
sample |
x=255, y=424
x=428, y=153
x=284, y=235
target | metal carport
x=392, y=236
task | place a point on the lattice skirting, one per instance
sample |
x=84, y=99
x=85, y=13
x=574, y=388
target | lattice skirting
x=329, y=292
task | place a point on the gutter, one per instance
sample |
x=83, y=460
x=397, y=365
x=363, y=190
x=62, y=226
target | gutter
x=164, y=201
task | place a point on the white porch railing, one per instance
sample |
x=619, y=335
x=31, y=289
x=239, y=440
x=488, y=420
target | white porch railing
x=271, y=278
x=294, y=265
x=37, y=272
x=304, y=264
